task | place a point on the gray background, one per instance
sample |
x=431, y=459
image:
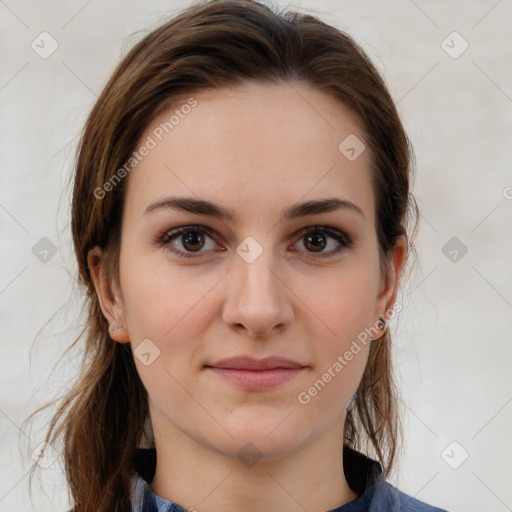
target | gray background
x=453, y=350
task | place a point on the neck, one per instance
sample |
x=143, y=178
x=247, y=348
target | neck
x=198, y=478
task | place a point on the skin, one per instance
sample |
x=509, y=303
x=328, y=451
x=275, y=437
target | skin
x=255, y=149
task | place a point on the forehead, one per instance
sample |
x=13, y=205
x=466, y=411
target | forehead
x=255, y=146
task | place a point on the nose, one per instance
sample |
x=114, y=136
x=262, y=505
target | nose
x=257, y=299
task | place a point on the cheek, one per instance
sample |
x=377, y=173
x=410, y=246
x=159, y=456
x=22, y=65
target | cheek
x=342, y=343
x=342, y=354
x=172, y=308
x=340, y=357
x=169, y=309
x=162, y=301
x=345, y=300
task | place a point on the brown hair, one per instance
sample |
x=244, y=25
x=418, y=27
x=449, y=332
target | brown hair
x=219, y=43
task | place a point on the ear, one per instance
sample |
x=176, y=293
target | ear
x=390, y=281
x=107, y=292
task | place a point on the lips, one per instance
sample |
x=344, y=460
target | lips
x=250, y=363
x=256, y=374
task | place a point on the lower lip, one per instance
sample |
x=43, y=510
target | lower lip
x=257, y=379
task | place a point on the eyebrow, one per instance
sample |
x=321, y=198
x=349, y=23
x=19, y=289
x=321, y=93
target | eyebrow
x=203, y=207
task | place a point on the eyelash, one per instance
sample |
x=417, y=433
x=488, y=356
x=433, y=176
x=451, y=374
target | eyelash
x=168, y=236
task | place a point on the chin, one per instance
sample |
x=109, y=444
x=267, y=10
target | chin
x=262, y=438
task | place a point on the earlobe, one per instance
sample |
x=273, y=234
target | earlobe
x=118, y=333
x=106, y=293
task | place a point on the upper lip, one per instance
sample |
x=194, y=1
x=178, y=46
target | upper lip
x=250, y=363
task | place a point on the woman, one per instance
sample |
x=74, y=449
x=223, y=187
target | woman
x=241, y=223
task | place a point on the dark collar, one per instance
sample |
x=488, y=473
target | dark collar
x=360, y=471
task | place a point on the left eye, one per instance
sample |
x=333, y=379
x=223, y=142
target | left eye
x=317, y=237
x=192, y=239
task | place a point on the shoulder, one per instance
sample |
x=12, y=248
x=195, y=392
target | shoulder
x=386, y=498
x=365, y=476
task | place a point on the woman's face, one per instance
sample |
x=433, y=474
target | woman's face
x=255, y=284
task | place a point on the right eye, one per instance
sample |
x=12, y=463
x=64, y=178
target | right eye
x=191, y=238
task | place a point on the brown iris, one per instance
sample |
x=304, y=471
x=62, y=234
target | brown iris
x=193, y=241
x=314, y=239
